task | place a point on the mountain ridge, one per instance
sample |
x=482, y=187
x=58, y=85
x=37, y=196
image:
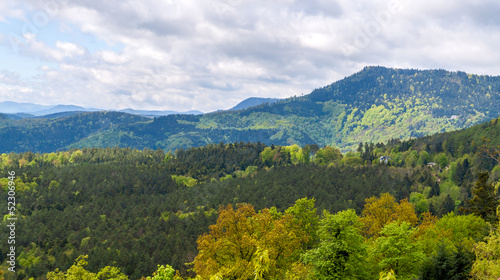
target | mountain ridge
x=375, y=104
x=31, y=110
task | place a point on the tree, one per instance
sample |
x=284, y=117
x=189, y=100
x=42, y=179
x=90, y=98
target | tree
x=462, y=172
x=395, y=250
x=78, y=272
x=165, y=273
x=244, y=244
x=452, y=230
x=435, y=190
x=448, y=264
x=306, y=216
x=327, y=155
x=379, y=212
x=341, y=249
x=484, y=201
x=442, y=160
x=487, y=264
x=487, y=150
x=448, y=205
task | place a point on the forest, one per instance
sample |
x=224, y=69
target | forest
x=375, y=105
x=423, y=208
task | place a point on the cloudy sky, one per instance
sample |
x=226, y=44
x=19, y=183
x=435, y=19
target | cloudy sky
x=208, y=55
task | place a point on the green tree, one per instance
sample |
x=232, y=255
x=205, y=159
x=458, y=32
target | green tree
x=327, y=155
x=441, y=159
x=306, y=216
x=395, y=250
x=487, y=264
x=448, y=264
x=423, y=157
x=78, y=272
x=164, y=272
x=341, y=249
x=484, y=201
x=452, y=231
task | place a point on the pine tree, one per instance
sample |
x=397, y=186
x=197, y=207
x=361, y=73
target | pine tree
x=484, y=202
x=448, y=205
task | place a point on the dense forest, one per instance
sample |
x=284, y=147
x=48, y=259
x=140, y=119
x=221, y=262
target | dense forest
x=423, y=208
x=374, y=105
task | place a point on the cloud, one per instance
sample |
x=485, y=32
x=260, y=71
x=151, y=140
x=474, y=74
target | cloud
x=9, y=78
x=209, y=55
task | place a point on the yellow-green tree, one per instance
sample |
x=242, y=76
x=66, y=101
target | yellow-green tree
x=487, y=264
x=244, y=244
x=78, y=272
x=379, y=212
x=164, y=272
x=306, y=216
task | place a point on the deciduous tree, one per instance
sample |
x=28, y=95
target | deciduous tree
x=244, y=244
x=379, y=212
x=342, y=248
x=395, y=250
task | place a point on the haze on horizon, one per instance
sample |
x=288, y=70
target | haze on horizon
x=210, y=55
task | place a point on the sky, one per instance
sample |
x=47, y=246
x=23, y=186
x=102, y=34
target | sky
x=209, y=55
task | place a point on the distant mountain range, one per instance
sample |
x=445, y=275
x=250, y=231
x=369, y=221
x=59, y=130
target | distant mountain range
x=17, y=110
x=29, y=110
x=376, y=104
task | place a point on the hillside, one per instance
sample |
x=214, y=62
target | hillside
x=373, y=105
x=135, y=209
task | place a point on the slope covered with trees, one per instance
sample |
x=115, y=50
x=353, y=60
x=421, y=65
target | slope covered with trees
x=131, y=210
x=374, y=105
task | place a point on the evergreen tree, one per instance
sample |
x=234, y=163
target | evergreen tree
x=448, y=264
x=435, y=191
x=448, y=205
x=484, y=201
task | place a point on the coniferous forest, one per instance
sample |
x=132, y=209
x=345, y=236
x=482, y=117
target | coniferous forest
x=423, y=208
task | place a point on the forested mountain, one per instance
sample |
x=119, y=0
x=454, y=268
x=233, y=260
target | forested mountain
x=135, y=209
x=253, y=101
x=376, y=104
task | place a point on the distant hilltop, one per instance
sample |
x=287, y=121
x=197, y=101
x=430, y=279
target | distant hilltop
x=252, y=102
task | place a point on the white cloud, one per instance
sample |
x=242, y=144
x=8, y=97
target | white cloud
x=69, y=49
x=208, y=55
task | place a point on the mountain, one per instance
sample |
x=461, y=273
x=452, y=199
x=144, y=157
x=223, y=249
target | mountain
x=43, y=135
x=10, y=107
x=63, y=108
x=252, y=102
x=374, y=105
x=158, y=113
x=30, y=110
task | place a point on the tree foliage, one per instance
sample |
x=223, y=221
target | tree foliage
x=245, y=244
x=341, y=249
x=484, y=201
x=395, y=250
x=379, y=212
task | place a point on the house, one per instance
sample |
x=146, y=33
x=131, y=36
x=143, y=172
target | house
x=384, y=159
